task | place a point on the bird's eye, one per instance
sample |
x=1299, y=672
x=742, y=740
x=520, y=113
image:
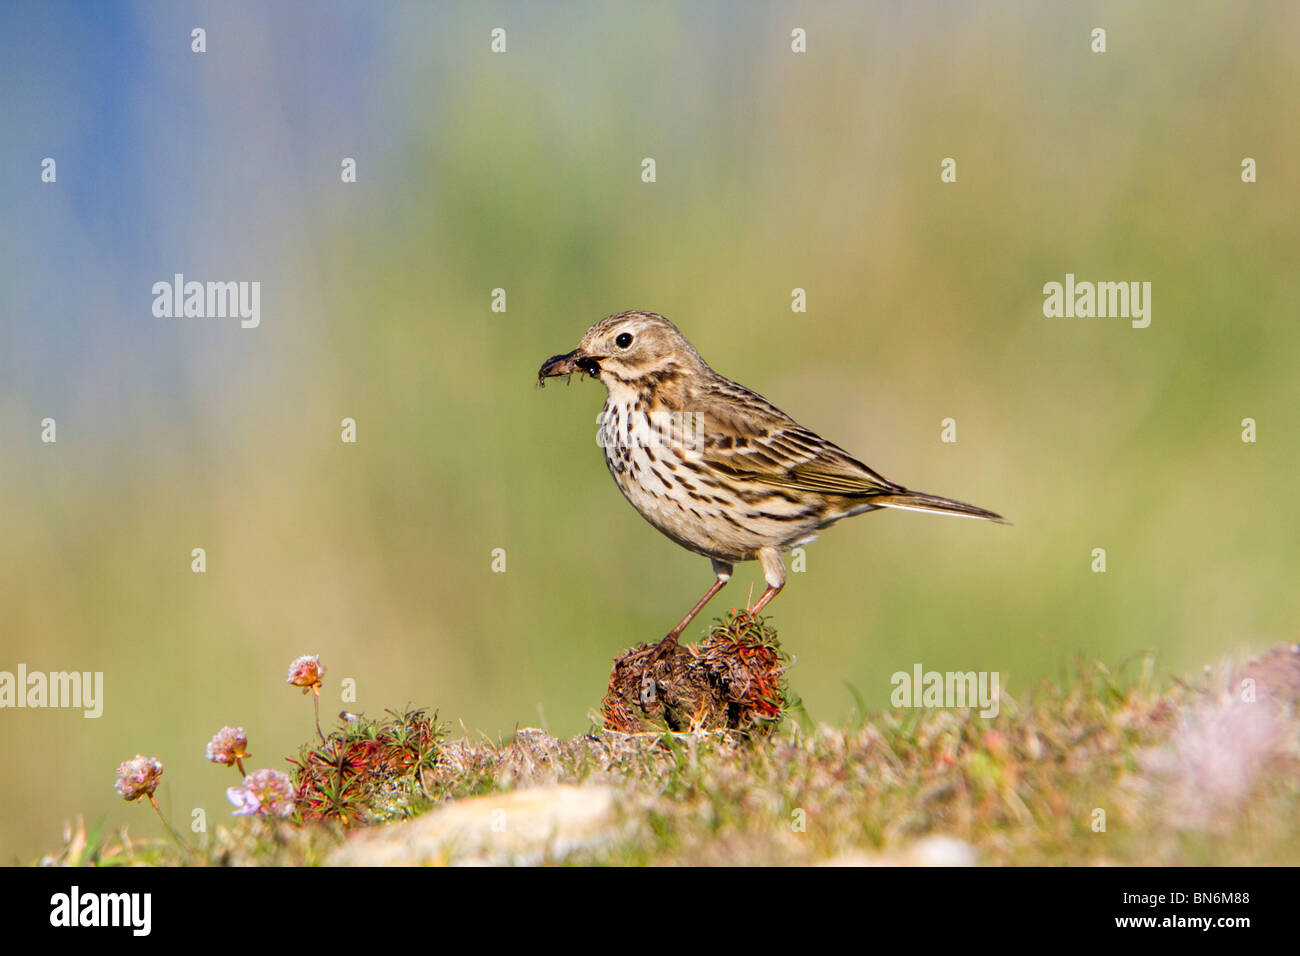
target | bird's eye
x=624, y=340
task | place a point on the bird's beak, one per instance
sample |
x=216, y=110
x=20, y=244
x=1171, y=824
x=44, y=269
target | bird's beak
x=575, y=361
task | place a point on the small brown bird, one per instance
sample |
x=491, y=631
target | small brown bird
x=714, y=466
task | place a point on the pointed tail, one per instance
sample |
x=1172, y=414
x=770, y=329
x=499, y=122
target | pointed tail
x=916, y=501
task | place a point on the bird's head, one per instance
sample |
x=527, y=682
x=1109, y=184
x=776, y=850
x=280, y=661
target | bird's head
x=625, y=350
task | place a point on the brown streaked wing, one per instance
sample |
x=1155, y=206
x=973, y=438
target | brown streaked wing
x=748, y=438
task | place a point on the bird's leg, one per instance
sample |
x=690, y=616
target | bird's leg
x=723, y=571
x=773, y=574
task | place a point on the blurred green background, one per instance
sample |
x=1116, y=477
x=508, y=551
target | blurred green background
x=522, y=171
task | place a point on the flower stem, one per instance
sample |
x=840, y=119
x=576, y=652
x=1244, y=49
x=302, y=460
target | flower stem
x=170, y=829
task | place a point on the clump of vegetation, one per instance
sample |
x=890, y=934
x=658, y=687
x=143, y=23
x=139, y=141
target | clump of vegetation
x=369, y=771
x=1104, y=767
x=734, y=679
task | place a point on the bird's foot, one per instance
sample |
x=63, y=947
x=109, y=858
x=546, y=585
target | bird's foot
x=660, y=649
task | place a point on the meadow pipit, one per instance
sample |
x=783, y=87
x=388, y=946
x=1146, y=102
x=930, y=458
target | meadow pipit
x=714, y=466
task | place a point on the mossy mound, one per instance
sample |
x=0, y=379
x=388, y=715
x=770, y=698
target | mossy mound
x=734, y=679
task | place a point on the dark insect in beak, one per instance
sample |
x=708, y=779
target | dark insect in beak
x=574, y=361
